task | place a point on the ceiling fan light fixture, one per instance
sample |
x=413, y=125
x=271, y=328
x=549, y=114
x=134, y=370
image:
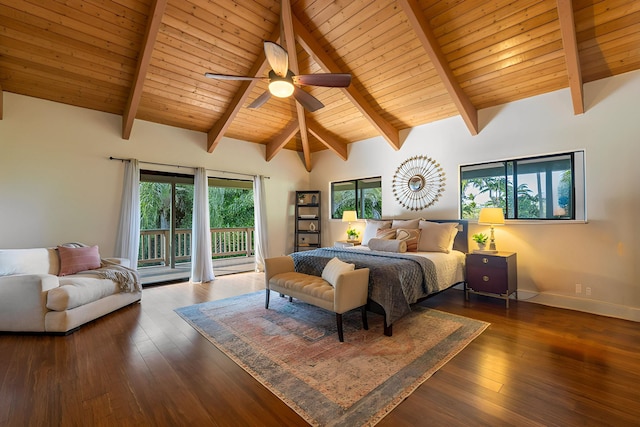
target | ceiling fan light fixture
x=281, y=88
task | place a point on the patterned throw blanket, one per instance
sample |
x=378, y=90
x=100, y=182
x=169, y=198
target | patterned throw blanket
x=127, y=279
x=395, y=280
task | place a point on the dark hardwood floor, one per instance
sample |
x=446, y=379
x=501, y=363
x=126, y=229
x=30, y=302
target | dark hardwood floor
x=143, y=365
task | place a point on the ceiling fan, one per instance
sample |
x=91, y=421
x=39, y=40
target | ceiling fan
x=283, y=83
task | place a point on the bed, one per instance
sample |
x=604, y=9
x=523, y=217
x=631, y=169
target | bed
x=399, y=279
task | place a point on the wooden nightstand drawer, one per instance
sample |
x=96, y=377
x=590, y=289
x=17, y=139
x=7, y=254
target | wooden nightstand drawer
x=492, y=274
x=486, y=261
x=493, y=280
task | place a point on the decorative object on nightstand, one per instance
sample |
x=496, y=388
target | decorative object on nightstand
x=352, y=233
x=308, y=220
x=493, y=275
x=491, y=216
x=481, y=240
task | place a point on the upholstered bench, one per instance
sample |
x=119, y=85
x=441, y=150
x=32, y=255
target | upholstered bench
x=343, y=291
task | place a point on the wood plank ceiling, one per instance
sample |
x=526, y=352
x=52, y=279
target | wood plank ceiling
x=412, y=61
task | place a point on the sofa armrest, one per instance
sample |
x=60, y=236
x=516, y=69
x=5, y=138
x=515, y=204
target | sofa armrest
x=23, y=301
x=118, y=261
x=277, y=265
x=351, y=290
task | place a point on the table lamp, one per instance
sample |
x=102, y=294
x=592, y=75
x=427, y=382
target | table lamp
x=491, y=216
x=348, y=216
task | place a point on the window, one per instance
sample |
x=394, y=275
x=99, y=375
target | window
x=535, y=188
x=361, y=195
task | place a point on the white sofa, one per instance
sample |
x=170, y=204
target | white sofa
x=33, y=298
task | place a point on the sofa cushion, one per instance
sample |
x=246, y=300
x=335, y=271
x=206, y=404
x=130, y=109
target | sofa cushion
x=29, y=261
x=74, y=260
x=75, y=291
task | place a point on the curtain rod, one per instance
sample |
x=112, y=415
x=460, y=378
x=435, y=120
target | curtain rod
x=188, y=167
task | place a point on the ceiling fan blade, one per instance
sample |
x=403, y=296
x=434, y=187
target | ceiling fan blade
x=307, y=100
x=259, y=101
x=231, y=77
x=324, y=79
x=277, y=57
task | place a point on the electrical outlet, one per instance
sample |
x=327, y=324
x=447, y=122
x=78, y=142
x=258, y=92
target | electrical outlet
x=578, y=288
x=588, y=291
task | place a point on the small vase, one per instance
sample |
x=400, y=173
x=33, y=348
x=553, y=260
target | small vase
x=482, y=246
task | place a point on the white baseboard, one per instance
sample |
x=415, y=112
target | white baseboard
x=581, y=304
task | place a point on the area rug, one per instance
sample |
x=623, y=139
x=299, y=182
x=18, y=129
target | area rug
x=293, y=349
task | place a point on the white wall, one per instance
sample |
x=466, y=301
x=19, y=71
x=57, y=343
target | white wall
x=552, y=258
x=57, y=184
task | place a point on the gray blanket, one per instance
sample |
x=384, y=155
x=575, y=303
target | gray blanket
x=395, y=280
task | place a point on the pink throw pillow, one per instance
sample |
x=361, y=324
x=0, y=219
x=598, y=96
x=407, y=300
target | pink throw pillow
x=73, y=260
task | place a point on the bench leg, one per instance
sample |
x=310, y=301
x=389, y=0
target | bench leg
x=339, y=323
x=266, y=300
x=365, y=323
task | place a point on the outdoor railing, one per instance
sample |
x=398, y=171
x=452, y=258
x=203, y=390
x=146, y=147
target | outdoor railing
x=155, y=246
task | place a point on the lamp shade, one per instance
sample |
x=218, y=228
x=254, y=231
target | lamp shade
x=493, y=216
x=348, y=216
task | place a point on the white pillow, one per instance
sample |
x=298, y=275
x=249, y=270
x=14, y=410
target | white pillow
x=334, y=269
x=371, y=229
x=437, y=236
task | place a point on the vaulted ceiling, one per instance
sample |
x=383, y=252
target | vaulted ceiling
x=412, y=61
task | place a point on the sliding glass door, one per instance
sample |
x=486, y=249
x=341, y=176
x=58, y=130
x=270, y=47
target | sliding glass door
x=166, y=206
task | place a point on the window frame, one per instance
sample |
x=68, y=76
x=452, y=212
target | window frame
x=510, y=176
x=359, y=208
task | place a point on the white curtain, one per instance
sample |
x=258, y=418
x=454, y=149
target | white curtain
x=260, y=220
x=128, y=237
x=201, y=264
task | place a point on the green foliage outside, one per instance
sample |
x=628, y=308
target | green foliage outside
x=497, y=189
x=346, y=201
x=228, y=207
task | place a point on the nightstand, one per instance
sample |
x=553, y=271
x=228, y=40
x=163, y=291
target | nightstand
x=346, y=243
x=492, y=275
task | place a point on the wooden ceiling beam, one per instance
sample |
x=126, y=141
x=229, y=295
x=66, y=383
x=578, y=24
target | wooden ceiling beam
x=315, y=51
x=135, y=94
x=1, y=102
x=328, y=140
x=278, y=144
x=570, y=44
x=290, y=42
x=429, y=42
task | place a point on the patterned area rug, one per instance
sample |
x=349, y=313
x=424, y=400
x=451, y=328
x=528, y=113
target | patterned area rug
x=293, y=350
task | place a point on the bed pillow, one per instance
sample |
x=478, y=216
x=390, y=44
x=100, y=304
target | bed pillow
x=385, y=234
x=411, y=236
x=74, y=260
x=406, y=223
x=371, y=227
x=388, y=245
x=437, y=236
x=334, y=269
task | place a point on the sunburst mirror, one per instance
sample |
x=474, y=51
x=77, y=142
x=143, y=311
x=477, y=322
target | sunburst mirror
x=418, y=183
